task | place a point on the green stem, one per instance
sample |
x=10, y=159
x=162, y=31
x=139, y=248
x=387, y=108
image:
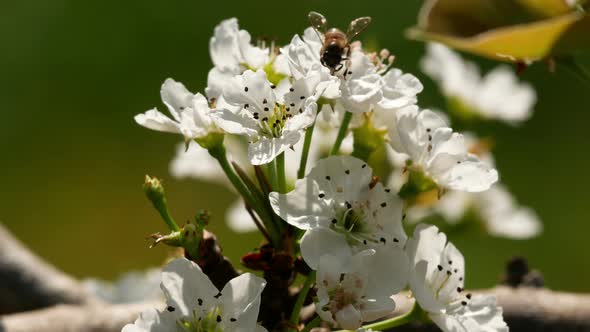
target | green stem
x=219, y=153
x=408, y=317
x=282, y=180
x=272, y=175
x=314, y=323
x=341, y=133
x=162, y=207
x=305, y=151
x=294, y=320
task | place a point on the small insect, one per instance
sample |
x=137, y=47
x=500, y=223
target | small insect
x=336, y=44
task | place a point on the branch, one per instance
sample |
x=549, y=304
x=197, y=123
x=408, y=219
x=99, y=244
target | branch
x=28, y=282
x=73, y=318
x=525, y=309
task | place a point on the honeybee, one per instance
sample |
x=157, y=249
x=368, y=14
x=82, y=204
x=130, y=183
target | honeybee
x=335, y=43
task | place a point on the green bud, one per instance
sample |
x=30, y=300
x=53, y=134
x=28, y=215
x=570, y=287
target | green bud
x=155, y=193
x=211, y=141
x=418, y=183
x=153, y=189
x=272, y=75
x=367, y=139
x=188, y=237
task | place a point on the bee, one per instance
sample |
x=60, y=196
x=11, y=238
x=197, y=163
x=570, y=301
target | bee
x=335, y=43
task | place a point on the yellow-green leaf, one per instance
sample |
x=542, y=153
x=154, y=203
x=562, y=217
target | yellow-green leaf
x=547, y=8
x=504, y=29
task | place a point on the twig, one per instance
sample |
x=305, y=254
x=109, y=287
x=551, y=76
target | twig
x=27, y=282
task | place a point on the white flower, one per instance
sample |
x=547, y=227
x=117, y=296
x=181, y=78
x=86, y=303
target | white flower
x=272, y=122
x=367, y=85
x=303, y=59
x=504, y=217
x=344, y=212
x=437, y=283
x=372, y=86
x=134, y=286
x=347, y=295
x=441, y=154
x=497, y=95
x=232, y=53
x=191, y=116
x=496, y=207
x=194, y=304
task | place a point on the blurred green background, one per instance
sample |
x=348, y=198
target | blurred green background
x=74, y=73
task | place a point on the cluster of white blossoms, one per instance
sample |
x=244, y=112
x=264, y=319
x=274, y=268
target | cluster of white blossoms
x=498, y=95
x=315, y=129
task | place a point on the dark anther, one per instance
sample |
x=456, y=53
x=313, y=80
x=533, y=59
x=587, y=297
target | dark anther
x=440, y=268
x=321, y=195
x=383, y=204
x=246, y=89
x=218, y=319
x=218, y=295
x=328, y=177
x=170, y=308
x=347, y=171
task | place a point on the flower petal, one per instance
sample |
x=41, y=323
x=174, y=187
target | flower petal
x=183, y=283
x=155, y=120
x=240, y=300
x=321, y=241
x=152, y=320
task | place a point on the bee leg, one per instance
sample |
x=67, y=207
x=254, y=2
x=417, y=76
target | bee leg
x=347, y=62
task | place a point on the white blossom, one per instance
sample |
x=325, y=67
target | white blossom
x=191, y=115
x=433, y=148
x=437, y=282
x=343, y=212
x=497, y=95
x=369, y=83
x=195, y=304
x=272, y=122
x=496, y=207
x=232, y=53
x=347, y=295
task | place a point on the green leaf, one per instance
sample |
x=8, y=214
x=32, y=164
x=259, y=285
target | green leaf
x=504, y=30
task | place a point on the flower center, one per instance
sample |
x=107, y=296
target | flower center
x=273, y=119
x=352, y=224
x=206, y=321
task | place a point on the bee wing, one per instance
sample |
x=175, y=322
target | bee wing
x=317, y=21
x=357, y=26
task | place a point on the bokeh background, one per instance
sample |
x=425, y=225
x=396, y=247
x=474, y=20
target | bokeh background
x=74, y=73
